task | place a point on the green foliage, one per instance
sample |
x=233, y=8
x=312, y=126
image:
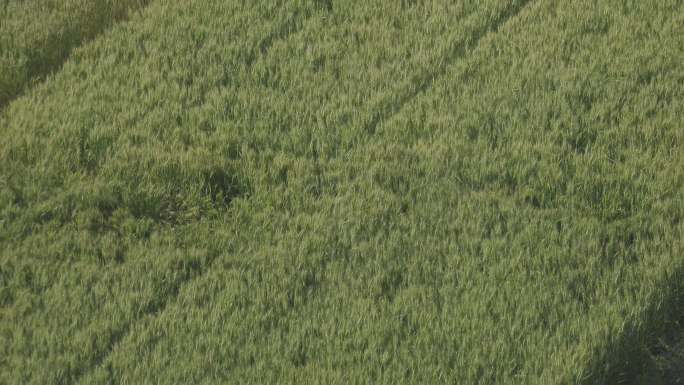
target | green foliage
x=36, y=36
x=347, y=192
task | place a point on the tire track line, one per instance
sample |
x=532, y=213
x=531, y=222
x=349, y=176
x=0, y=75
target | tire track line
x=389, y=109
x=39, y=68
x=152, y=309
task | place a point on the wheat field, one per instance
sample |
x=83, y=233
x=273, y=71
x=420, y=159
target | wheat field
x=340, y=191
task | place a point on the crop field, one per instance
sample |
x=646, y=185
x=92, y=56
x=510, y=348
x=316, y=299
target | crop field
x=36, y=36
x=339, y=191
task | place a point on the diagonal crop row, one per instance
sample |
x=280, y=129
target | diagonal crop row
x=484, y=131
x=36, y=37
x=362, y=71
x=458, y=46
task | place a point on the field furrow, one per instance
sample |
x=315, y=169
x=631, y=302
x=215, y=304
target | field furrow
x=457, y=48
x=37, y=36
x=579, y=142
